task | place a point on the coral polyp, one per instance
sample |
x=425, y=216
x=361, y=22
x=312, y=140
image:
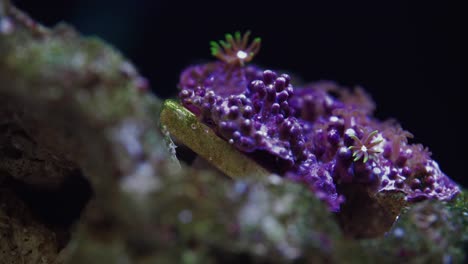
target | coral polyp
x=320, y=134
x=236, y=49
x=367, y=147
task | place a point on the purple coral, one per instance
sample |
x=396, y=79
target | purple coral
x=322, y=135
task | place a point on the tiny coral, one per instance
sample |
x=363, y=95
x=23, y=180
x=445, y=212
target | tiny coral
x=320, y=134
x=366, y=148
x=235, y=50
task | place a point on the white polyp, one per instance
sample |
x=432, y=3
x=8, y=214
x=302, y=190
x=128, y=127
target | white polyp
x=334, y=119
x=376, y=171
x=350, y=132
x=241, y=54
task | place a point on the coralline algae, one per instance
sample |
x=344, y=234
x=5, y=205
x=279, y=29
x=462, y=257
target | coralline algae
x=320, y=134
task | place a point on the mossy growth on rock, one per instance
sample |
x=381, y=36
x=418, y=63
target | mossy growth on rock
x=89, y=174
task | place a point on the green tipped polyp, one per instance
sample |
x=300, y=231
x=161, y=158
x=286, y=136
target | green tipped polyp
x=185, y=127
x=238, y=35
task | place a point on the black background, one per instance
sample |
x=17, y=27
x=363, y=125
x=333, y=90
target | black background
x=408, y=56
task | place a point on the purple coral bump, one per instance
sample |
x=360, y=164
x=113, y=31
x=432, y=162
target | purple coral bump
x=320, y=134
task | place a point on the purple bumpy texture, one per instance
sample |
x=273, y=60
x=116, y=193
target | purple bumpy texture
x=321, y=134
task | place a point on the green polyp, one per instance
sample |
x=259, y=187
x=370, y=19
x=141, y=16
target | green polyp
x=224, y=44
x=215, y=48
x=373, y=133
x=238, y=35
x=214, y=44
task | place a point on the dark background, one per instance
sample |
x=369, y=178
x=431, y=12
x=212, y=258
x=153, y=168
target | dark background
x=408, y=56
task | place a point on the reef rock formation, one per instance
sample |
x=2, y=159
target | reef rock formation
x=89, y=175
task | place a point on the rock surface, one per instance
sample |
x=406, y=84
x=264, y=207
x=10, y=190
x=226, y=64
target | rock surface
x=87, y=176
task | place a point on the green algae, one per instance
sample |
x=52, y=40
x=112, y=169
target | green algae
x=183, y=125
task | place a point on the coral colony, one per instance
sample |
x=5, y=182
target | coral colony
x=320, y=134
